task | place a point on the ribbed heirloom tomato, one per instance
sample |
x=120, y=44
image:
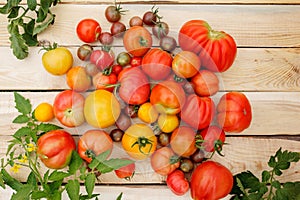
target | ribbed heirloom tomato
x=54, y=148
x=139, y=141
x=234, y=112
x=216, y=49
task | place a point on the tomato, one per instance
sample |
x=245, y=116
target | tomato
x=177, y=183
x=198, y=112
x=88, y=30
x=135, y=87
x=139, y=141
x=101, y=109
x=84, y=52
x=101, y=59
x=183, y=141
x=211, y=181
x=160, y=29
x=186, y=64
x=68, y=108
x=57, y=61
x=234, y=112
x=78, y=80
x=167, y=123
x=91, y=69
x=164, y=161
x=135, y=21
x=150, y=17
x=126, y=172
x=205, y=83
x=137, y=40
x=113, y=13
x=116, y=134
x=157, y=64
x=116, y=69
x=136, y=61
x=213, y=139
x=147, y=113
x=54, y=148
x=216, y=49
x=106, y=38
x=92, y=143
x=168, y=97
x=186, y=165
x=168, y=43
x=123, y=59
x=105, y=81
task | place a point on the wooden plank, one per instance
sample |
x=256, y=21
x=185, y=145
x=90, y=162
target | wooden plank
x=158, y=2
x=255, y=69
x=241, y=153
x=250, y=25
x=272, y=113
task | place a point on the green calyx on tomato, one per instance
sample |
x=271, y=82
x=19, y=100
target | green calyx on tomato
x=215, y=35
x=217, y=145
x=142, y=142
x=143, y=42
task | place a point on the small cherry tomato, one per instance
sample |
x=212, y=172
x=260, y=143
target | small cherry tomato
x=147, y=113
x=135, y=21
x=106, y=38
x=84, y=52
x=177, y=183
x=123, y=59
x=105, y=81
x=117, y=29
x=167, y=123
x=116, y=134
x=136, y=61
x=126, y=172
x=116, y=69
x=186, y=165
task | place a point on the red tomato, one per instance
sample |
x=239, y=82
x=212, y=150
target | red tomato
x=177, y=183
x=137, y=40
x=157, y=64
x=92, y=143
x=55, y=148
x=126, y=172
x=105, y=81
x=186, y=64
x=135, y=87
x=183, y=141
x=136, y=61
x=234, y=112
x=216, y=49
x=116, y=69
x=164, y=161
x=198, y=112
x=210, y=181
x=88, y=30
x=168, y=97
x=205, y=83
x=68, y=108
x=213, y=139
x=102, y=59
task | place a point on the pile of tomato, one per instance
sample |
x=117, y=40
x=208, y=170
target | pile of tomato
x=156, y=101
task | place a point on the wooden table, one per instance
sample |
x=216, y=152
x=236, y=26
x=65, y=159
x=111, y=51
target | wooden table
x=266, y=69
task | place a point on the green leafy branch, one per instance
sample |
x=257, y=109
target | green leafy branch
x=51, y=184
x=248, y=187
x=26, y=22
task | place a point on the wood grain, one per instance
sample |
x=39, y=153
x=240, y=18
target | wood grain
x=250, y=25
x=273, y=113
x=255, y=69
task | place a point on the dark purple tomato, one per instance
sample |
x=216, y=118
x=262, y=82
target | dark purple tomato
x=106, y=38
x=116, y=135
x=84, y=52
x=168, y=43
x=160, y=30
x=113, y=13
x=117, y=29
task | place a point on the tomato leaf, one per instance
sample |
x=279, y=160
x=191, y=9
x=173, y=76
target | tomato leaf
x=58, y=175
x=23, y=131
x=120, y=196
x=45, y=127
x=90, y=184
x=21, y=119
x=98, y=159
x=10, y=181
x=22, y=105
x=112, y=164
x=75, y=162
x=23, y=193
x=38, y=194
x=72, y=188
x=18, y=44
x=41, y=27
x=31, y=4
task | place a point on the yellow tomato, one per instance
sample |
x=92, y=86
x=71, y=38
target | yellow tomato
x=44, y=112
x=147, y=113
x=101, y=109
x=57, y=61
x=139, y=141
x=167, y=123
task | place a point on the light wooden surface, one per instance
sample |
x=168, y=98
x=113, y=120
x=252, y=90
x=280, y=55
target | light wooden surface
x=267, y=70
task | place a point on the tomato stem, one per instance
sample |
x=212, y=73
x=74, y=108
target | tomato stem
x=143, y=42
x=142, y=142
